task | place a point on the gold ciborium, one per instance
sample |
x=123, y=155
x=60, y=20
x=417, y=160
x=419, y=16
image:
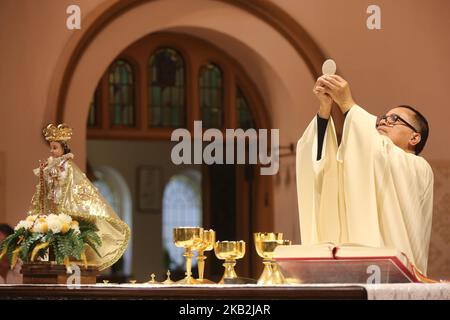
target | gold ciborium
x=229, y=251
x=266, y=244
x=206, y=244
x=187, y=238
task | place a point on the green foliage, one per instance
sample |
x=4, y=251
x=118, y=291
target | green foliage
x=28, y=245
x=13, y=241
x=67, y=245
x=13, y=238
x=88, y=234
x=71, y=244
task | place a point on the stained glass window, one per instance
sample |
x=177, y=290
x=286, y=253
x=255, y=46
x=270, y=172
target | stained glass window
x=181, y=207
x=121, y=94
x=211, y=96
x=166, y=89
x=244, y=116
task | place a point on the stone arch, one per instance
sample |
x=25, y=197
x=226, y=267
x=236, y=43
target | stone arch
x=59, y=106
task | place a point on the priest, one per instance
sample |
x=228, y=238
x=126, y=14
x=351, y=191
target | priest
x=371, y=188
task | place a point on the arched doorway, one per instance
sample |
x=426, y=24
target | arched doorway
x=113, y=187
x=167, y=81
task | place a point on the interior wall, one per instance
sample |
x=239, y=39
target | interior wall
x=32, y=37
x=406, y=62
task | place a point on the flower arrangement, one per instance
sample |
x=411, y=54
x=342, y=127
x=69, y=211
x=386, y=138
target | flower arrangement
x=57, y=234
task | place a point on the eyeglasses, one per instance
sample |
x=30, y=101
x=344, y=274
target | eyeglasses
x=393, y=119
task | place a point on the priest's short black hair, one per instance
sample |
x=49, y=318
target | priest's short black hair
x=423, y=128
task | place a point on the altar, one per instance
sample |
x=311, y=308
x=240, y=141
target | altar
x=410, y=291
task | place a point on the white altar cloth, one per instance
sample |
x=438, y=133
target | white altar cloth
x=408, y=291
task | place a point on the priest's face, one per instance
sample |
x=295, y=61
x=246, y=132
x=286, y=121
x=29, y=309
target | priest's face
x=400, y=126
x=56, y=149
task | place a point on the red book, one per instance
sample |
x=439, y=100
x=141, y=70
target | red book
x=346, y=263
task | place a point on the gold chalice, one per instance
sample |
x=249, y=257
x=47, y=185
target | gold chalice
x=206, y=244
x=229, y=251
x=266, y=244
x=187, y=238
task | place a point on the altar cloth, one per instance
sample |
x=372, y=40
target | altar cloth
x=408, y=291
x=412, y=291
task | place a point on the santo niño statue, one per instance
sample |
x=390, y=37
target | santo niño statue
x=64, y=188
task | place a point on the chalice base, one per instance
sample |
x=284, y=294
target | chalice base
x=266, y=276
x=188, y=280
x=205, y=281
x=271, y=275
x=228, y=275
x=229, y=271
x=277, y=276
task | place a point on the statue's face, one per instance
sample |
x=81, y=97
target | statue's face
x=56, y=149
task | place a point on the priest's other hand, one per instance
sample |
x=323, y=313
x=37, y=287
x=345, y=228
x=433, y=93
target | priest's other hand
x=325, y=100
x=339, y=89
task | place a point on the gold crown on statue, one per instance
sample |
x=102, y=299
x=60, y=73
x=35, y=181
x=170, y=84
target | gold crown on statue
x=61, y=132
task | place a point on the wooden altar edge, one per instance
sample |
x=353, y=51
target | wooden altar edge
x=60, y=292
x=51, y=273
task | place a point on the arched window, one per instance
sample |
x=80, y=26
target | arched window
x=113, y=187
x=181, y=207
x=244, y=116
x=166, y=78
x=211, y=96
x=121, y=94
x=167, y=81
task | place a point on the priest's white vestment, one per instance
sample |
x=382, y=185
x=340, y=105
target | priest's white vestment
x=365, y=191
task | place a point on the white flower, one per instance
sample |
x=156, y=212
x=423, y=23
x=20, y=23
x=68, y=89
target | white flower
x=65, y=218
x=54, y=223
x=52, y=217
x=24, y=224
x=55, y=226
x=40, y=227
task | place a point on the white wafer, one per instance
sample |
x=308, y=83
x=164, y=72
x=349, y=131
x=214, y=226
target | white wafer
x=329, y=67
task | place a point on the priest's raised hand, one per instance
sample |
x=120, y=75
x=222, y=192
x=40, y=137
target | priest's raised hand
x=338, y=89
x=325, y=100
